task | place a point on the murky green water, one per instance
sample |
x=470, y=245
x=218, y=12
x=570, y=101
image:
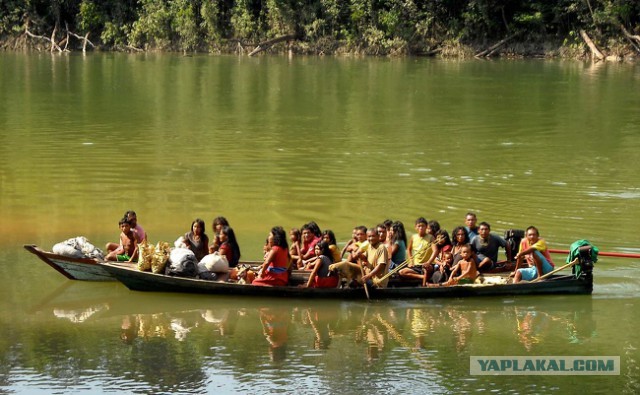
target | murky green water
x=343, y=142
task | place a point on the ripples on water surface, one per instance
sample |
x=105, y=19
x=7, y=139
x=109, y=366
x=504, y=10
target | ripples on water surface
x=271, y=141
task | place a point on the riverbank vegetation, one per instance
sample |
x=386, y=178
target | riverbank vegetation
x=604, y=29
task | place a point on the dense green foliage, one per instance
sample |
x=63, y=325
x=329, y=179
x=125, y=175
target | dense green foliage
x=362, y=26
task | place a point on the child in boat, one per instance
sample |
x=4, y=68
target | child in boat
x=275, y=269
x=330, y=238
x=445, y=265
x=128, y=248
x=218, y=224
x=320, y=276
x=296, y=245
x=360, y=245
x=466, y=267
x=421, y=251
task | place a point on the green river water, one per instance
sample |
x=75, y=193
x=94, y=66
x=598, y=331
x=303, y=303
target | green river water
x=282, y=141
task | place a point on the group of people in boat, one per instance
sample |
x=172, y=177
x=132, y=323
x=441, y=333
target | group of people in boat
x=430, y=255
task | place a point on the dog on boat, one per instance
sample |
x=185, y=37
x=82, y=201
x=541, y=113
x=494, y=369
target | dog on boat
x=347, y=271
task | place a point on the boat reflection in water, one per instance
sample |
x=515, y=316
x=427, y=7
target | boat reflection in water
x=198, y=339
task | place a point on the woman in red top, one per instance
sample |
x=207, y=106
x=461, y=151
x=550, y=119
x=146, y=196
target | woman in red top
x=275, y=269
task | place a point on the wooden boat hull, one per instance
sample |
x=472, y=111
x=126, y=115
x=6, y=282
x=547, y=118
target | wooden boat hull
x=84, y=269
x=146, y=281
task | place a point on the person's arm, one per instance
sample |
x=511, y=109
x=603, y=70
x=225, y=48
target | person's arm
x=267, y=260
x=409, y=248
x=434, y=254
x=314, y=272
x=346, y=247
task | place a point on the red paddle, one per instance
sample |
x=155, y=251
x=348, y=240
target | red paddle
x=601, y=253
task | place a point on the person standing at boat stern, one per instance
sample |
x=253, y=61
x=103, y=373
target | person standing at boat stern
x=377, y=259
x=534, y=250
x=275, y=269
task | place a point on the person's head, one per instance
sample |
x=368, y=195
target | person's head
x=329, y=237
x=387, y=224
x=307, y=234
x=132, y=217
x=227, y=234
x=373, y=237
x=532, y=234
x=322, y=248
x=278, y=237
x=124, y=225
x=315, y=229
x=294, y=235
x=361, y=233
x=447, y=258
x=460, y=236
x=433, y=227
x=470, y=220
x=465, y=252
x=382, y=232
x=398, y=233
x=197, y=227
x=421, y=226
x=484, y=229
x=442, y=238
x=218, y=223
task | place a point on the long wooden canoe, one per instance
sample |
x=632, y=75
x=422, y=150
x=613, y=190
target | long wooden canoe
x=146, y=281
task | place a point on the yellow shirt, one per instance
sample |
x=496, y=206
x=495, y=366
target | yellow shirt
x=421, y=248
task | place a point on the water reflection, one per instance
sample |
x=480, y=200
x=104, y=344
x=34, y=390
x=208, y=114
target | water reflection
x=198, y=339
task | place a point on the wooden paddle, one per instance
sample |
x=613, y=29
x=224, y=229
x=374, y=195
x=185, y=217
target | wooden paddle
x=601, y=253
x=556, y=270
x=364, y=283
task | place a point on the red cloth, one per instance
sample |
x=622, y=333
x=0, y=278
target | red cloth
x=276, y=273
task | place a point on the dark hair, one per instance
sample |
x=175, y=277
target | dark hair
x=233, y=243
x=421, y=220
x=387, y=223
x=324, y=249
x=534, y=228
x=279, y=237
x=128, y=213
x=470, y=213
x=124, y=220
x=445, y=235
x=362, y=228
x=455, y=232
x=200, y=223
x=399, y=232
x=434, y=225
x=296, y=232
x=332, y=236
x=219, y=221
x=484, y=224
x=314, y=228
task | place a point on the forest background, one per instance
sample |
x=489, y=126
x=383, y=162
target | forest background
x=459, y=28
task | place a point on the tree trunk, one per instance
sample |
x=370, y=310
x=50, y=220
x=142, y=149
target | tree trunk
x=265, y=45
x=595, y=52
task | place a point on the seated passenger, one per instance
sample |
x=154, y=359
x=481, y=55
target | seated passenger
x=460, y=239
x=229, y=246
x=275, y=269
x=197, y=240
x=397, y=244
x=377, y=260
x=443, y=273
x=320, y=276
x=421, y=251
x=128, y=248
x=534, y=250
x=486, y=247
x=360, y=244
x=330, y=238
x=218, y=223
x=309, y=241
x=466, y=267
x=295, y=246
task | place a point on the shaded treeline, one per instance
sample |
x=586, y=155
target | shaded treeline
x=378, y=27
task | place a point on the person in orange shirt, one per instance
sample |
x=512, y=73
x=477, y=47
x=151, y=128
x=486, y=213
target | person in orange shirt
x=534, y=250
